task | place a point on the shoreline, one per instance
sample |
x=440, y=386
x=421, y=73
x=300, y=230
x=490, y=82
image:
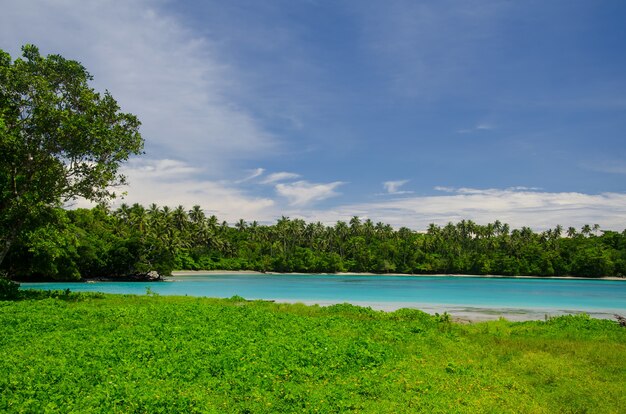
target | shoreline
x=467, y=313
x=177, y=273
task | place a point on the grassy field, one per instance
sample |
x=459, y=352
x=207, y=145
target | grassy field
x=67, y=352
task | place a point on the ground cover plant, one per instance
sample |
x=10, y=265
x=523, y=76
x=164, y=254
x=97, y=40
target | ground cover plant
x=69, y=352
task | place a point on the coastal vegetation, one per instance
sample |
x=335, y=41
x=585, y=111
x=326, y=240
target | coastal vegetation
x=134, y=240
x=113, y=353
x=59, y=140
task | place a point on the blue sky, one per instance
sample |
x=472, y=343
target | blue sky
x=404, y=112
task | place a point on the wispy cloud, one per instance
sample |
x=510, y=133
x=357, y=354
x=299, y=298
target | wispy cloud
x=280, y=176
x=253, y=174
x=161, y=169
x=611, y=167
x=155, y=182
x=173, y=80
x=303, y=193
x=393, y=187
x=527, y=207
x=483, y=126
x=215, y=98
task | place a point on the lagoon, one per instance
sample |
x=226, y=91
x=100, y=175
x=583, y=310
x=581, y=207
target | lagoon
x=472, y=298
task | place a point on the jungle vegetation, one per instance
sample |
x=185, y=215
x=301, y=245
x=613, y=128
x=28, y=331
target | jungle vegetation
x=134, y=240
x=59, y=140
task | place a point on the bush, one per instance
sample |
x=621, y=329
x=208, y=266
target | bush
x=9, y=289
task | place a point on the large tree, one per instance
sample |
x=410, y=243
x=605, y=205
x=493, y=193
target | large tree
x=59, y=139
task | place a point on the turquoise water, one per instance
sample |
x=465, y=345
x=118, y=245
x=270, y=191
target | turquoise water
x=469, y=296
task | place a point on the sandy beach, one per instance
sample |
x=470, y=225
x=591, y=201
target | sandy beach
x=252, y=272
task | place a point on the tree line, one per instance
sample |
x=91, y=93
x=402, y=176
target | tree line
x=61, y=140
x=135, y=240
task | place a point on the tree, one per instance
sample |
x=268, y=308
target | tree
x=586, y=230
x=59, y=139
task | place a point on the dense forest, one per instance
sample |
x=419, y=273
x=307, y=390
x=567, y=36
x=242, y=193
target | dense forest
x=134, y=240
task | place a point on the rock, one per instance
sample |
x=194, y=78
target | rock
x=153, y=275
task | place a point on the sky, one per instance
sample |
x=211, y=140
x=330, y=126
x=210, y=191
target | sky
x=406, y=112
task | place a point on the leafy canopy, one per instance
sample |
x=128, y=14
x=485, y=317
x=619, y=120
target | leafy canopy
x=59, y=138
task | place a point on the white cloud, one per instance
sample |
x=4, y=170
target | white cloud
x=524, y=188
x=173, y=183
x=188, y=190
x=483, y=126
x=280, y=176
x=302, y=193
x=253, y=174
x=611, y=167
x=182, y=89
x=175, y=82
x=518, y=207
x=162, y=169
x=539, y=210
x=393, y=187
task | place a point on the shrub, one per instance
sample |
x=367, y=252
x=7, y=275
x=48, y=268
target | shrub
x=9, y=289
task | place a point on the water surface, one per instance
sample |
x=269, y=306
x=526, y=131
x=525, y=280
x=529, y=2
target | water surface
x=471, y=297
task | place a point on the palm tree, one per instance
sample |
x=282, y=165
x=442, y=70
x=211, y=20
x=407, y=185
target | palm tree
x=282, y=231
x=254, y=229
x=368, y=229
x=166, y=213
x=212, y=223
x=196, y=215
x=433, y=229
x=341, y=234
x=586, y=230
x=241, y=225
x=139, y=217
x=526, y=233
x=505, y=229
x=490, y=230
x=558, y=230
x=497, y=227
x=355, y=226
x=180, y=218
x=123, y=212
x=596, y=228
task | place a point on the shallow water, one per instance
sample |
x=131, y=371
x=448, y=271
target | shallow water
x=474, y=298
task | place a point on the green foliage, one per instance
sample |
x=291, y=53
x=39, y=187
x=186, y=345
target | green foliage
x=134, y=240
x=59, y=140
x=107, y=353
x=9, y=289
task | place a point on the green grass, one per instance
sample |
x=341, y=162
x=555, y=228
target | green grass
x=82, y=353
